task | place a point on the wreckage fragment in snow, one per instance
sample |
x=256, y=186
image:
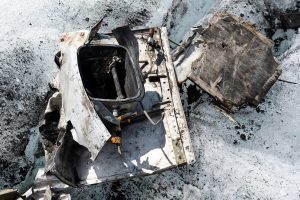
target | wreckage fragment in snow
x=92, y=101
x=230, y=60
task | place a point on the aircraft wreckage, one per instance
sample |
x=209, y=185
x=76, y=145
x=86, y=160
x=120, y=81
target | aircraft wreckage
x=116, y=111
x=117, y=108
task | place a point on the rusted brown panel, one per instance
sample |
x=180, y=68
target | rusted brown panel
x=237, y=66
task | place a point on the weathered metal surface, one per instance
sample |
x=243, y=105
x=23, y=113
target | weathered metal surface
x=290, y=20
x=184, y=136
x=235, y=64
x=89, y=129
x=71, y=128
x=146, y=148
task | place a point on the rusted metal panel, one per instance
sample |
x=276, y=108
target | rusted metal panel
x=236, y=65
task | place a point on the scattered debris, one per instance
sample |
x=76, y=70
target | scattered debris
x=69, y=128
x=243, y=137
x=103, y=97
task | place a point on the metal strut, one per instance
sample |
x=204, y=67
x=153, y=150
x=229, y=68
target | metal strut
x=112, y=68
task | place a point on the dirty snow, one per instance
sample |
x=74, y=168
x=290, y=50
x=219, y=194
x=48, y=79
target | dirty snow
x=256, y=157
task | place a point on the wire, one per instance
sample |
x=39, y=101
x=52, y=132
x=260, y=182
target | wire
x=151, y=121
x=149, y=118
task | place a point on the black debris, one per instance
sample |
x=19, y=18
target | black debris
x=243, y=137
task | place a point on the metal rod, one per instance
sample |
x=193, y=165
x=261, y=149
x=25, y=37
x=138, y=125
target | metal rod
x=116, y=82
x=176, y=43
x=287, y=81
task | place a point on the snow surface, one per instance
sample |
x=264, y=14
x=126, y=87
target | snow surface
x=256, y=157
